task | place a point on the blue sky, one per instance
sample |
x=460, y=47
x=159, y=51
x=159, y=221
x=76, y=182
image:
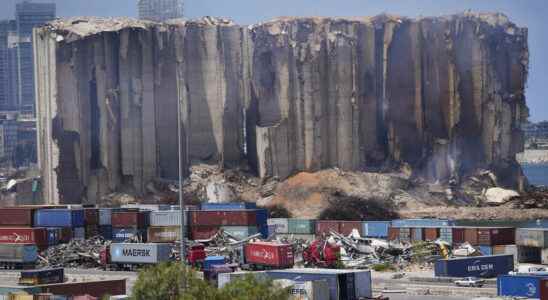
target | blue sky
x=529, y=13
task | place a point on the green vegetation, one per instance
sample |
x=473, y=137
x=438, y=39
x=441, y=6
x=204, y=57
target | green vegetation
x=173, y=281
x=384, y=267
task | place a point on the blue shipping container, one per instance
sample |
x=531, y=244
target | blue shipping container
x=262, y=217
x=106, y=232
x=375, y=228
x=213, y=260
x=120, y=235
x=519, y=285
x=59, y=218
x=422, y=223
x=479, y=266
x=228, y=206
x=53, y=236
x=486, y=250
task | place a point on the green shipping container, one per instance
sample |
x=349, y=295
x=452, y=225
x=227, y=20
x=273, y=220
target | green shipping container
x=301, y=226
x=240, y=232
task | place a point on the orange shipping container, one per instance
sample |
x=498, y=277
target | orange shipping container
x=431, y=234
x=393, y=233
x=471, y=236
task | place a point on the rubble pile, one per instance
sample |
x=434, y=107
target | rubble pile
x=75, y=254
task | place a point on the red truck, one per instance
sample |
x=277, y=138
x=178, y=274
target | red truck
x=265, y=255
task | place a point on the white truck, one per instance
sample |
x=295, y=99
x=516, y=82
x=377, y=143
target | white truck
x=470, y=282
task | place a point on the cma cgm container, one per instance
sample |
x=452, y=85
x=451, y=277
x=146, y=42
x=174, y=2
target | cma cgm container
x=223, y=218
x=59, y=218
x=165, y=234
x=300, y=226
x=527, y=286
x=20, y=254
x=165, y=218
x=327, y=226
x=496, y=236
x=479, y=266
x=269, y=254
x=16, y=217
x=34, y=236
x=532, y=237
x=228, y=206
x=343, y=284
x=375, y=229
x=346, y=227
x=129, y=219
x=140, y=253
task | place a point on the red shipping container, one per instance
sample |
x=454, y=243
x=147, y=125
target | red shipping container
x=458, y=235
x=269, y=254
x=327, y=226
x=496, y=236
x=16, y=216
x=66, y=235
x=91, y=216
x=431, y=234
x=93, y=288
x=345, y=227
x=471, y=236
x=203, y=232
x=223, y=218
x=393, y=233
x=128, y=219
x=543, y=289
x=35, y=236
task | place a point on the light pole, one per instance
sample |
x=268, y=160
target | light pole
x=181, y=201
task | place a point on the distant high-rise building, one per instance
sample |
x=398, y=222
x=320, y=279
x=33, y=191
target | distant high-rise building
x=160, y=10
x=27, y=16
x=8, y=65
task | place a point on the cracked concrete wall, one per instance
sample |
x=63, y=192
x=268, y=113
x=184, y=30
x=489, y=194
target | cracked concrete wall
x=444, y=96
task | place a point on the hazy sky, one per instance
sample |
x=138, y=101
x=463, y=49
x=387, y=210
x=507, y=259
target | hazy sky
x=530, y=13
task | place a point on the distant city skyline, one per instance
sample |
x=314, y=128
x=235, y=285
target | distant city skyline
x=530, y=13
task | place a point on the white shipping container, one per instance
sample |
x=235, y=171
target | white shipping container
x=165, y=218
x=280, y=223
x=105, y=216
x=532, y=237
x=307, y=290
x=139, y=253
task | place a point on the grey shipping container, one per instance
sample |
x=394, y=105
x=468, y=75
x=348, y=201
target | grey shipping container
x=532, y=237
x=422, y=223
x=17, y=253
x=529, y=254
x=480, y=266
x=446, y=234
x=165, y=218
x=105, y=216
x=300, y=226
x=240, y=232
x=139, y=253
x=79, y=233
x=377, y=229
x=343, y=284
x=405, y=234
x=281, y=224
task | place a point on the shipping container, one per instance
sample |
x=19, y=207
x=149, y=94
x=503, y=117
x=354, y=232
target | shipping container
x=346, y=227
x=165, y=218
x=527, y=286
x=65, y=234
x=17, y=253
x=471, y=236
x=544, y=289
x=120, y=235
x=420, y=223
x=79, y=233
x=431, y=234
x=544, y=256
x=138, y=253
x=35, y=236
x=291, y=236
x=16, y=217
x=417, y=234
x=316, y=290
x=324, y=227
x=529, y=254
x=91, y=216
x=375, y=229
x=269, y=254
x=165, y=234
x=393, y=234
x=148, y=207
x=532, y=237
x=343, y=284
x=44, y=276
x=98, y=289
x=479, y=266
x=458, y=235
x=92, y=231
x=240, y=232
x=105, y=216
x=228, y=206
x=59, y=218
x=223, y=218
x=210, y=261
x=486, y=250
x=281, y=225
x=54, y=234
x=446, y=234
x=262, y=216
x=106, y=232
x=203, y=232
x=129, y=219
x=404, y=234
x=506, y=249
x=300, y=226
x=496, y=236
